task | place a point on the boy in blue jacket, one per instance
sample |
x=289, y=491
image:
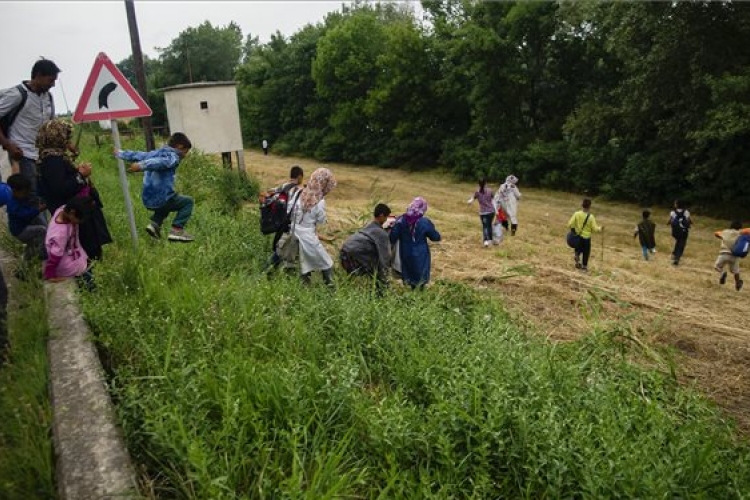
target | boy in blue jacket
x=158, y=193
x=23, y=217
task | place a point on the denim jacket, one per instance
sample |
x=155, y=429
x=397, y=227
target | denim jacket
x=159, y=168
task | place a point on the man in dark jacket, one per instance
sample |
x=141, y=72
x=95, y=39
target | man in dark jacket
x=368, y=251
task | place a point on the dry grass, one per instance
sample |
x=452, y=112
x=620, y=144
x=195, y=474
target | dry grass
x=533, y=273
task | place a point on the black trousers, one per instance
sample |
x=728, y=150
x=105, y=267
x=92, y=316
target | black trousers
x=679, y=246
x=584, y=250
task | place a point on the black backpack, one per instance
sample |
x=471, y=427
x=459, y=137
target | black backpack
x=7, y=120
x=680, y=224
x=273, y=211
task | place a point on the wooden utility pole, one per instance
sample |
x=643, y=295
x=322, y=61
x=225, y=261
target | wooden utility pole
x=140, y=77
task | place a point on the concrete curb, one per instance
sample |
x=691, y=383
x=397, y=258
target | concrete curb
x=91, y=457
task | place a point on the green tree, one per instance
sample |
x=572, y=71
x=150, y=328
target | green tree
x=204, y=53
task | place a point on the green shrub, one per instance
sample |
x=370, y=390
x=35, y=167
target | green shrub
x=232, y=385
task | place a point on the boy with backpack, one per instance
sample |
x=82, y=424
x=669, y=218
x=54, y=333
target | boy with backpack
x=680, y=221
x=158, y=193
x=735, y=243
x=275, y=207
x=646, y=233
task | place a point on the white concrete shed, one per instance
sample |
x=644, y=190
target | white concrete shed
x=208, y=113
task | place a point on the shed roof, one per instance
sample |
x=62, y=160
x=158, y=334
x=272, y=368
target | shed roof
x=195, y=85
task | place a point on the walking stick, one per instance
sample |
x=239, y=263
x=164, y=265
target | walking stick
x=602, y=246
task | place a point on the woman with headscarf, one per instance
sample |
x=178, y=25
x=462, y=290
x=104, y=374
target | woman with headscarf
x=507, y=197
x=411, y=231
x=60, y=180
x=308, y=212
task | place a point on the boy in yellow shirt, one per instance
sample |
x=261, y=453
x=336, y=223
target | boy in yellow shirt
x=584, y=223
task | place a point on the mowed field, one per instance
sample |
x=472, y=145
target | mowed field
x=651, y=303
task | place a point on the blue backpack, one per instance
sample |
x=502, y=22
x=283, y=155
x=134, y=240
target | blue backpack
x=741, y=246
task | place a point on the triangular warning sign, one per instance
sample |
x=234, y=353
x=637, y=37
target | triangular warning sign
x=108, y=95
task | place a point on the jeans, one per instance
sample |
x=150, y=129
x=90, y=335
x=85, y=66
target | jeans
x=33, y=237
x=487, y=226
x=183, y=205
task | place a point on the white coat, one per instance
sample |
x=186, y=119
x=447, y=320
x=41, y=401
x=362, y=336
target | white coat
x=507, y=197
x=312, y=254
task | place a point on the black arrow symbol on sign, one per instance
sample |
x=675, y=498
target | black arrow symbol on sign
x=104, y=94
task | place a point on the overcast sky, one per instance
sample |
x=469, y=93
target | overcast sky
x=73, y=33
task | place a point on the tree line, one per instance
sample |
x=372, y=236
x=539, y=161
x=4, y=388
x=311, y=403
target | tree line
x=640, y=101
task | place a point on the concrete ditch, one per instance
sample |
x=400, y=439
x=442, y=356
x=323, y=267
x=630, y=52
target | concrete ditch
x=92, y=461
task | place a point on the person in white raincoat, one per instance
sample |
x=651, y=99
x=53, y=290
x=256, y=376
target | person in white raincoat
x=309, y=213
x=507, y=197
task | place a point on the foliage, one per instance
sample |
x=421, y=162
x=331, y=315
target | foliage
x=231, y=385
x=26, y=457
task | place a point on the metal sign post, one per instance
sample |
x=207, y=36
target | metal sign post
x=124, y=184
x=108, y=95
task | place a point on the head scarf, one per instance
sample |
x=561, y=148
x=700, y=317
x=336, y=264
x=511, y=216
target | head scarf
x=510, y=183
x=321, y=183
x=415, y=210
x=53, y=138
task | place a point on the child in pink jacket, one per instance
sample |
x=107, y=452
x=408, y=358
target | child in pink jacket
x=66, y=258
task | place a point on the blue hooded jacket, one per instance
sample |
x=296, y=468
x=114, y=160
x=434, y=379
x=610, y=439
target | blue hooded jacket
x=159, y=167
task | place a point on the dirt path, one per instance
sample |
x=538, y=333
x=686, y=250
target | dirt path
x=532, y=272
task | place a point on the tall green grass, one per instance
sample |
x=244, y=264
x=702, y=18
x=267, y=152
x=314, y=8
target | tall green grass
x=231, y=385
x=26, y=456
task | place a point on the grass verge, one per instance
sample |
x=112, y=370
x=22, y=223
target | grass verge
x=230, y=385
x=26, y=455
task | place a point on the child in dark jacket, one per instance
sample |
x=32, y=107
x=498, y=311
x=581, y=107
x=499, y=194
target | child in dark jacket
x=646, y=233
x=23, y=218
x=158, y=193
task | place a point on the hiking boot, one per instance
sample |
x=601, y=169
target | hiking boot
x=723, y=278
x=738, y=285
x=179, y=235
x=578, y=262
x=154, y=230
x=585, y=269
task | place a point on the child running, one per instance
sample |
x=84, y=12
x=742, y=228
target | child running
x=646, y=233
x=158, y=193
x=486, y=210
x=726, y=258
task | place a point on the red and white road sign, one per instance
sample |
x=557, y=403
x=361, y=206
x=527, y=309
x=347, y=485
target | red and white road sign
x=108, y=95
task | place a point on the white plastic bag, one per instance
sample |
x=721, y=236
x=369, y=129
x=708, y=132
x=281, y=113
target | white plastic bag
x=497, y=233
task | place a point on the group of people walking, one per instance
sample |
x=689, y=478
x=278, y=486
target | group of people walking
x=369, y=252
x=497, y=209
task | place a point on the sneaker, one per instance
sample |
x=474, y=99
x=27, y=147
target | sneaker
x=486, y=243
x=738, y=285
x=578, y=262
x=585, y=269
x=179, y=235
x=154, y=230
x=723, y=278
